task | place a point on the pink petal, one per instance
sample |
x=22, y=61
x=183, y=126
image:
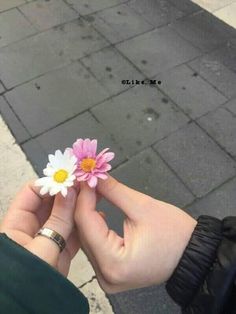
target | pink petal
x=83, y=177
x=105, y=158
x=103, y=168
x=109, y=156
x=101, y=175
x=79, y=172
x=78, y=149
x=78, y=145
x=102, y=152
x=86, y=146
x=93, y=148
x=92, y=182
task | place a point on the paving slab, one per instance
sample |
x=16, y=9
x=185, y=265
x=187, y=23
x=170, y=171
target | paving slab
x=221, y=125
x=8, y=4
x=211, y=69
x=158, y=13
x=114, y=216
x=98, y=302
x=27, y=59
x=16, y=170
x=36, y=155
x=231, y=105
x=203, y=30
x=226, y=54
x=219, y=203
x=186, y=6
x=13, y=27
x=86, y=7
x=39, y=54
x=110, y=68
x=120, y=23
x=190, y=92
x=139, y=117
x=198, y=160
x=17, y=128
x=148, y=173
x=81, y=270
x=2, y=89
x=64, y=136
x=46, y=14
x=158, y=50
x=153, y=300
x=55, y=97
x=74, y=40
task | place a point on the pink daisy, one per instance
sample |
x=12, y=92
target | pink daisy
x=91, y=166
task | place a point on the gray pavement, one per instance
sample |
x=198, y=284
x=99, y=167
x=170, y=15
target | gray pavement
x=61, y=69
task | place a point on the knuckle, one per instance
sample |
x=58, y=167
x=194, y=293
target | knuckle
x=56, y=220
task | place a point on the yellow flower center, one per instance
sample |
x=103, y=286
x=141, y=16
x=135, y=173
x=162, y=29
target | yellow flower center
x=60, y=176
x=88, y=164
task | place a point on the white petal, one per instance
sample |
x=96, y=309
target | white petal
x=67, y=153
x=49, y=171
x=69, y=183
x=58, y=154
x=42, y=181
x=64, y=191
x=51, y=159
x=44, y=190
x=56, y=189
x=51, y=192
x=74, y=159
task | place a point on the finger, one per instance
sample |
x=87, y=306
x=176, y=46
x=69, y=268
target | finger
x=61, y=221
x=66, y=256
x=93, y=230
x=28, y=210
x=125, y=198
x=28, y=198
x=88, y=220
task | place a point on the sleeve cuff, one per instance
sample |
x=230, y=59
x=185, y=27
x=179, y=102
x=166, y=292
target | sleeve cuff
x=30, y=285
x=196, y=261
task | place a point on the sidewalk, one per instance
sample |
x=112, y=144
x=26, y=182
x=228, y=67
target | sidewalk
x=62, y=63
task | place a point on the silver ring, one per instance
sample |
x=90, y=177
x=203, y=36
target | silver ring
x=53, y=235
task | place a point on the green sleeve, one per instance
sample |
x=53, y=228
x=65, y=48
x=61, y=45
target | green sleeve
x=30, y=285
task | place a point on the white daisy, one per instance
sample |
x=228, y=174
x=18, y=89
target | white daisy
x=59, y=173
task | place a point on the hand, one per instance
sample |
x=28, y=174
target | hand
x=155, y=236
x=30, y=211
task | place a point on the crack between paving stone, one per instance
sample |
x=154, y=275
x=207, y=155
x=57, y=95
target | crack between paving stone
x=204, y=79
x=197, y=199
x=195, y=120
x=17, y=117
x=89, y=281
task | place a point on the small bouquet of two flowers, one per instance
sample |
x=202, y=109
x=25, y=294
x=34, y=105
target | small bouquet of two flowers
x=79, y=163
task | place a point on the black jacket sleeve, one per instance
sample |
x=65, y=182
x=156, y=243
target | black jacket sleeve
x=30, y=285
x=204, y=282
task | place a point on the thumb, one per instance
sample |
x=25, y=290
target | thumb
x=61, y=221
